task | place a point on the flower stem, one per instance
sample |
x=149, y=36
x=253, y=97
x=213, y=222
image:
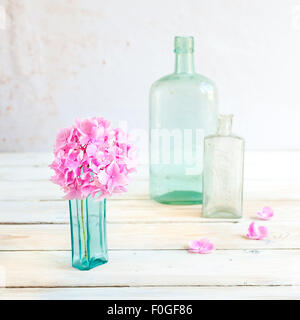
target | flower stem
x=83, y=230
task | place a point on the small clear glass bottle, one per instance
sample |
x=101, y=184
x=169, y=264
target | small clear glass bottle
x=223, y=170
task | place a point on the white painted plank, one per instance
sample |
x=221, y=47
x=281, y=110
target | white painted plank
x=154, y=268
x=34, y=212
x=45, y=190
x=15, y=159
x=283, y=235
x=135, y=211
x=272, y=190
x=38, y=173
x=268, y=175
x=139, y=189
x=154, y=293
x=23, y=173
x=259, y=165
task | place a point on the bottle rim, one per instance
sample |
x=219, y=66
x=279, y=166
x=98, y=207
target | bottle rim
x=184, y=44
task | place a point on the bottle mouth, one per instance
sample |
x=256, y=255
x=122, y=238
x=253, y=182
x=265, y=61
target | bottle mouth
x=184, y=45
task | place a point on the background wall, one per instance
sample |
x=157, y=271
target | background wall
x=61, y=59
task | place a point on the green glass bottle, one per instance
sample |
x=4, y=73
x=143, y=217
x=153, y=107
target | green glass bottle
x=183, y=109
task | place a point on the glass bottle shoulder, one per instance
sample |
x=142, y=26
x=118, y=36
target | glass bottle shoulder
x=181, y=79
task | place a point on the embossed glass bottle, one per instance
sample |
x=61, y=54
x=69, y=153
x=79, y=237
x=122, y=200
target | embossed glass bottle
x=223, y=172
x=183, y=109
x=88, y=233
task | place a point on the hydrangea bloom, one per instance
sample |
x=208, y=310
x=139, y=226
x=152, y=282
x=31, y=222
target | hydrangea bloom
x=91, y=158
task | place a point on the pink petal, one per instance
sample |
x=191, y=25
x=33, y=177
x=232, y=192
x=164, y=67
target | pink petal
x=263, y=232
x=103, y=177
x=63, y=137
x=257, y=233
x=252, y=230
x=193, y=244
x=266, y=214
x=97, y=133
x=201, y=246
x=91, y=149
x=113, y=170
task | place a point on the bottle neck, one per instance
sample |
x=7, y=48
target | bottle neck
x=184, y=63
x=225, y=124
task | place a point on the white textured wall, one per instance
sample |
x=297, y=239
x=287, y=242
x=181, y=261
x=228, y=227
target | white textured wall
x=62, y=59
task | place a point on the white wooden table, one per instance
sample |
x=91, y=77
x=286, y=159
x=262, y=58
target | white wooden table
x=148, y=241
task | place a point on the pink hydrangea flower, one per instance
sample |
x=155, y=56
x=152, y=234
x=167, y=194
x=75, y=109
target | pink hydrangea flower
x=201, y=246
x=266, y=213
x=91, y=158
x=257, y=233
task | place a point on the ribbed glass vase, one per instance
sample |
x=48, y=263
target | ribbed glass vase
x=88, y=233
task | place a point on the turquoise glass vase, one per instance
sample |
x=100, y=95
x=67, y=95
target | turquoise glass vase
x=183, y=110
x=88, y=233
